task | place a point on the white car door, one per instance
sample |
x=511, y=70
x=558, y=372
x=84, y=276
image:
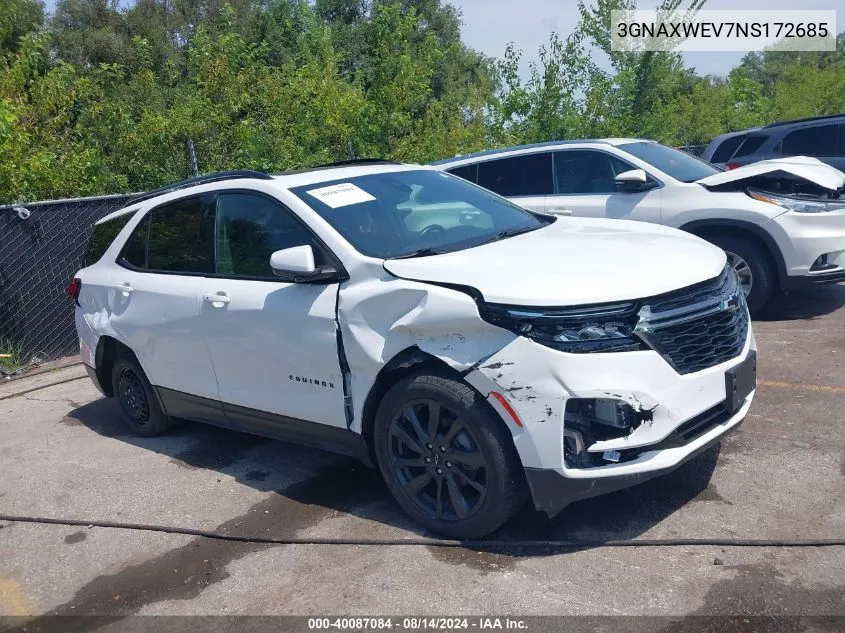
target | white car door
x=154, y=299
x=273, y=343
x=585, y=186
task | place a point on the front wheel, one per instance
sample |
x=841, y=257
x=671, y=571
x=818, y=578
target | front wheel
x=753, y=266
x=447, y=460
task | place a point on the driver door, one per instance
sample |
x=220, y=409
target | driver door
x=586, y=187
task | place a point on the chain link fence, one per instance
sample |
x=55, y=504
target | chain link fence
x=41, y=247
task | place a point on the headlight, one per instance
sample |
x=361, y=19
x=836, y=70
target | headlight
x=799, y=205
x=607, y=328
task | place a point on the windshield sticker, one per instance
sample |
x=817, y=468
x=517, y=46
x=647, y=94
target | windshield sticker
x=341, y=195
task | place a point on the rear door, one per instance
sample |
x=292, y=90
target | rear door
x=525, y=179
x=585, y=184
x=154, y=299
x=273, y=343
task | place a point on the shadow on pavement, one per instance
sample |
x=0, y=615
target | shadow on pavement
x=812, y=303
x=339, y=484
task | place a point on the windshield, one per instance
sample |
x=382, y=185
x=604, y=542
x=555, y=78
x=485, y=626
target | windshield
x=680, y=165
x=415, y=213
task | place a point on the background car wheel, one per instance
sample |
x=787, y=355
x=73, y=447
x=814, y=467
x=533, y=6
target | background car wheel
x=754, y=267
x=134, y=393
x=446, y=457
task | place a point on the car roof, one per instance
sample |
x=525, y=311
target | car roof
x=547, y=144
x=326, y=174
x=290, y=179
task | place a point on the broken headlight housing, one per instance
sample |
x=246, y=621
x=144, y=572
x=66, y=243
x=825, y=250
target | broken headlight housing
x=799, y=205
x=606, y=328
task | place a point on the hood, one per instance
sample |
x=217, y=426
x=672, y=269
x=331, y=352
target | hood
x=574, y=261
x=801, y=167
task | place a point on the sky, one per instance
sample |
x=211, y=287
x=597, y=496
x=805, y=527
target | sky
x=488, y=25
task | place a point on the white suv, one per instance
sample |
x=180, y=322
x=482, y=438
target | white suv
x=472, y=350
x=781, y=222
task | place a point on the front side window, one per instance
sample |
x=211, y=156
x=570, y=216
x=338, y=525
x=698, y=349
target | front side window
x=181, y=237
x=526, y=175
x=415, y=212
x=679, y=165
x=584, y=171
x=820, y=140
x=250, y=228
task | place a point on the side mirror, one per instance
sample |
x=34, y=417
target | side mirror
x=633, y=180
x=296, y=265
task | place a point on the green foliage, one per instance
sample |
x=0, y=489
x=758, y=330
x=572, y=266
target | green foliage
x=104, y=97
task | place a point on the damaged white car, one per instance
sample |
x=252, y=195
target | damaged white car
x=781, y=222
x=473, y=351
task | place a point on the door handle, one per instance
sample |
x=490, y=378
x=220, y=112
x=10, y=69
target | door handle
x=216, y=299
x=124, y=288
x=561, y=211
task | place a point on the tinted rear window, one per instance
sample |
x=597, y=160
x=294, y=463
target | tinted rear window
x=726, y=149
x=750, y=145
x=103, y=236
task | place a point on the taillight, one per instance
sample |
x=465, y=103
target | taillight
x=730, y=166
x=73, y=289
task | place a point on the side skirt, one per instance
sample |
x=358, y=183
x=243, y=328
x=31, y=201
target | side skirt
x=272, y=425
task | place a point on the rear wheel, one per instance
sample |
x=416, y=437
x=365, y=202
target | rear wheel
x=133, y=391
x=446, y=458
x=753, y=266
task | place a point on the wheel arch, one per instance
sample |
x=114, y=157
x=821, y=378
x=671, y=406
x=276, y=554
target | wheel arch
x=106, y=353
x=740, y=228
x=408, y=361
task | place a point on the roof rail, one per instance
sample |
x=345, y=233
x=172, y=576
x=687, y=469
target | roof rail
x=357, y=161
x=821, y=117
x=200, y=180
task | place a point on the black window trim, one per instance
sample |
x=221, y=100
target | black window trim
x=648, y=174
x=208, y=198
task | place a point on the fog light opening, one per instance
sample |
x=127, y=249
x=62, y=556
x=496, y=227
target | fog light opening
x=822, y=263
x=590, y=420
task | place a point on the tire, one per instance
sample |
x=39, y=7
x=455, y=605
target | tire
x=141, y=410
x=476, y=447
x=756, y=263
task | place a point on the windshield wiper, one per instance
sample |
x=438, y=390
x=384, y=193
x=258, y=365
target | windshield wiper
x=511, y=232
x=423, y=252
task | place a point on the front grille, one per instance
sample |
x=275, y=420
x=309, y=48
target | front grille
x=697, y=345
x=698, y=327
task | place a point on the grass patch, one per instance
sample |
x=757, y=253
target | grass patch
x=11, y=357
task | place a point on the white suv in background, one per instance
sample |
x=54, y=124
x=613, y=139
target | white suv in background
x=471, y=350
x=781, y=222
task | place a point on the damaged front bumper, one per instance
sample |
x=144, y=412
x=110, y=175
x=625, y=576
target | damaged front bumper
x=552, y=490
x=665, y=418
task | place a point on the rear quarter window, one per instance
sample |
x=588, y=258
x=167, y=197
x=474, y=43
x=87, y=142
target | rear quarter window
x=103, y=236
x=750, y=145
x=726, y=149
